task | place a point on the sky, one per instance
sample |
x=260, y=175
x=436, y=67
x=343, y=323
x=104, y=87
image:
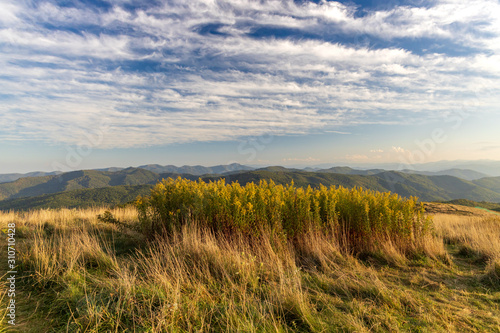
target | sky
x=93, y=84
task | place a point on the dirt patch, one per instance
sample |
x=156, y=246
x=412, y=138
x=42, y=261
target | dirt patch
x=444, y=208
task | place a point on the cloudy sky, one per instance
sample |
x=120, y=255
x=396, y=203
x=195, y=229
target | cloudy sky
x=87, y=84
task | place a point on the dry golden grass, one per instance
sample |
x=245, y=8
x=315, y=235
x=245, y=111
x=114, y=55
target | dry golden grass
x=65, y=217
x=436, y=208
x=480, y=234
x=37, y=221
x=476, y=236
x=90, y=276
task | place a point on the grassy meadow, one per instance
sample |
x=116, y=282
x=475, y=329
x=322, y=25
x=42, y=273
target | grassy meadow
x=216, y=257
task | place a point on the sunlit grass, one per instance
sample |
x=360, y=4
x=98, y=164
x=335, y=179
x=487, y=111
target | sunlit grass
x=88, y=274
x=478, y=234
x=477, y=237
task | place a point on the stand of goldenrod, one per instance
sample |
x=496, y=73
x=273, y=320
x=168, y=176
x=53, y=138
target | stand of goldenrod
x=356, y=217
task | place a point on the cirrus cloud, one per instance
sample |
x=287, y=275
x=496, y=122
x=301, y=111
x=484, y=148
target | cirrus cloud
x=216, y=70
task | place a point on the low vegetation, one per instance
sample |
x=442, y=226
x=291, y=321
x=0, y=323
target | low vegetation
x=110, y=270
x=358, y=220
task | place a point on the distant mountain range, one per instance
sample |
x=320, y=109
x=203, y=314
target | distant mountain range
x=113, y=186
x=490, y=168
x=10, y=177
x=459, y=173
x=196, y=170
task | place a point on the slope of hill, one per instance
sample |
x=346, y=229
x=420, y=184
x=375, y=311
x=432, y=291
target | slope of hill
x=277, y=168
x=82, y=198
x=35, y=186
x=350, y=171
x=435, y=188
x=492, y=183
x=9, y=190
x=488, y=167
x=10, y=177
x=459, y=173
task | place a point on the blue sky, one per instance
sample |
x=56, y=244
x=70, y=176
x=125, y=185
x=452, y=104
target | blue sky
x=87, y=84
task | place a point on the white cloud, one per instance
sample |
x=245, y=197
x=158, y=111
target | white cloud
x=399, y=150
x=9, y=12
x=219, y=87
x=338, y=132
x=70, y=44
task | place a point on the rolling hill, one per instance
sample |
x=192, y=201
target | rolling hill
x=72, y=189
x=10, y=177
x=435, y=188
x=350, y=171
x=84, y=179
x=459, y=173
x=492, y=183
x=82, y=198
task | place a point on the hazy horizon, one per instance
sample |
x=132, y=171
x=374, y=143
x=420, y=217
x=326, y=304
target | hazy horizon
x=397, y=166
x=96, y=84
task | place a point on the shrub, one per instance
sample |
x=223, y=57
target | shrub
x=357, y=217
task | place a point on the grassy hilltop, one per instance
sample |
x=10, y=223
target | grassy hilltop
x=213, y=257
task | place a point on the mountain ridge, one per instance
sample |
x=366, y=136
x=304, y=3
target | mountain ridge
x=10, y=177
x=427, y=188
x=197, y=170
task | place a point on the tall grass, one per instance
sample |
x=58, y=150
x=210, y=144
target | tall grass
x=357, y=218
x=197, y=280
x=49, y=221
x=476, y=236
x=204, y=279
x=194, y=280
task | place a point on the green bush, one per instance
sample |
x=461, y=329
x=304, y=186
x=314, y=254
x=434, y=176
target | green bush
x=357, y=216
